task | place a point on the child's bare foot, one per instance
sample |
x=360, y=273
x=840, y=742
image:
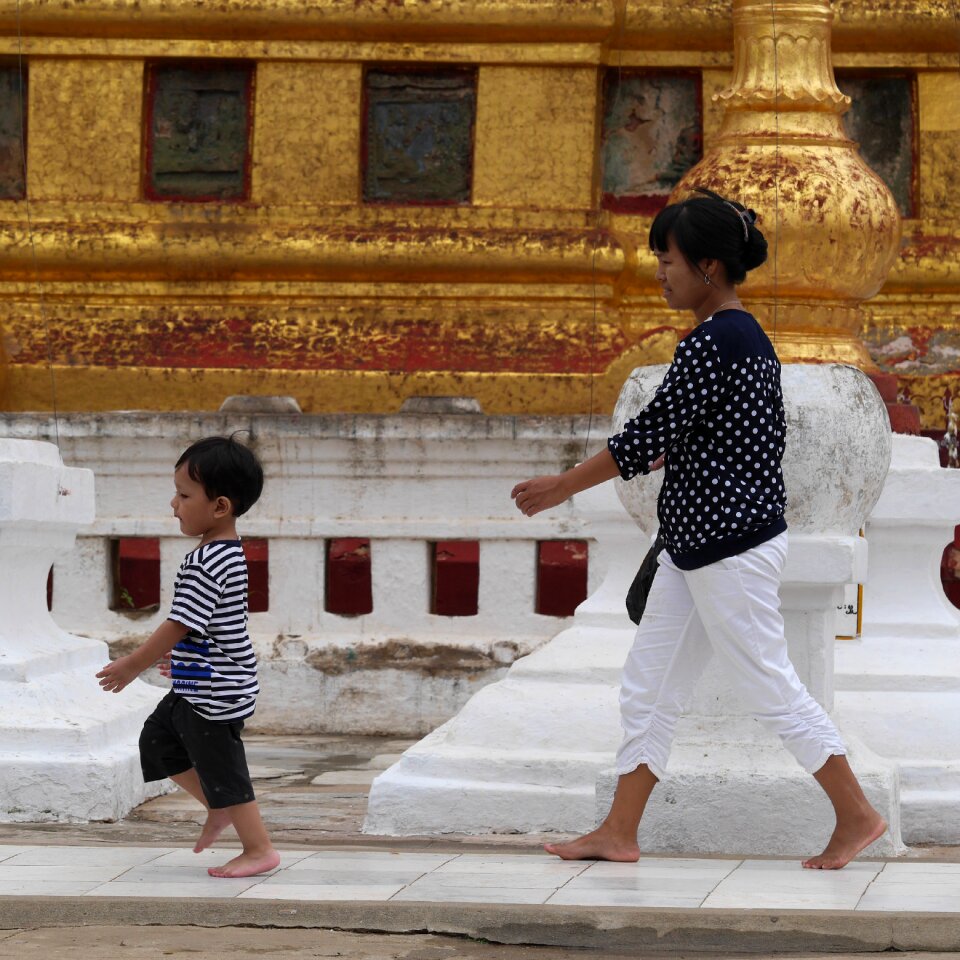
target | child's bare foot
x=847, y=841
x=217, y=822
x=601, y=844
x=248, y=865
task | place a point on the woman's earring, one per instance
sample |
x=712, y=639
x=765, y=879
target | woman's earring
x=706, y=279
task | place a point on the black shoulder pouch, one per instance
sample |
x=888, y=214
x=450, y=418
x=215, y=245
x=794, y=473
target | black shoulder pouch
x=643, y=581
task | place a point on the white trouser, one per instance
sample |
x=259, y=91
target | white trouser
x=730, y=608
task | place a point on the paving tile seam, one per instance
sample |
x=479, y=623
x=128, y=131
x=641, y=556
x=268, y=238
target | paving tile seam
x=727, y=876
x=406, y=886
x=573, y=876
x=872, y=881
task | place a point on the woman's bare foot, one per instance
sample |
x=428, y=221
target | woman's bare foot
x=847, y=841
x=217, y=822
x=248, y=865
x=601, y=844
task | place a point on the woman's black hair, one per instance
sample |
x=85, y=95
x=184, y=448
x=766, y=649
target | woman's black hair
x=709, y=227
x=225, y=468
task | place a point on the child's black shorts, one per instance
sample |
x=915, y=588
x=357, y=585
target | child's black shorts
x=175, y=738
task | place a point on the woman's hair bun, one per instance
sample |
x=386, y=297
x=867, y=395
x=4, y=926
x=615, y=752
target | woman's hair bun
x=755, y=249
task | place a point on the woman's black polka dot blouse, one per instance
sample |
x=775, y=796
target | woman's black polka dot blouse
x=718, y=415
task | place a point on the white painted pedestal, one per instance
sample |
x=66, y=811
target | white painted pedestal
x=730, y=785
x=528, y=753
x=68, y=751
x=523, y=754
x=898, y=686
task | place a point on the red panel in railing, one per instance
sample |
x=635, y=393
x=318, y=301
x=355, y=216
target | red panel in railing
x=561, y=576
x=136, y=574
x=257, y=553
x=456, y=578
x=349, y=588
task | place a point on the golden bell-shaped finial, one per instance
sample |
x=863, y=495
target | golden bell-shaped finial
x=831, y=223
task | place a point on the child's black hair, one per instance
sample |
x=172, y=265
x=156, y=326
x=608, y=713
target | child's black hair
x=225, y=468
x=709, y=227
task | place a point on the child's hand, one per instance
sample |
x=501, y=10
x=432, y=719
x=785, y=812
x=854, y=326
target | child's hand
x=656, y=464
x=119, y=674
x=163, y=665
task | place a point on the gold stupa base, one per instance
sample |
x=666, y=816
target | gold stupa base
x=803, y=346
x=165, y=389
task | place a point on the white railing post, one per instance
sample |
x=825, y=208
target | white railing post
x=66, y=751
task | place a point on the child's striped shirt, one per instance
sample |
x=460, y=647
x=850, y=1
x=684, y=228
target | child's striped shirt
x=214, y=666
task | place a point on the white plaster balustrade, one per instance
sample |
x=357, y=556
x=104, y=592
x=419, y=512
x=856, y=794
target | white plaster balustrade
x=402, y=481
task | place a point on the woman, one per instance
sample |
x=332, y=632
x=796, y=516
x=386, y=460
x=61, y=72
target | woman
x=716, y=425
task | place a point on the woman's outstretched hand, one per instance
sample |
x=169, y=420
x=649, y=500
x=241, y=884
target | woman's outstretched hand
x=540, y=493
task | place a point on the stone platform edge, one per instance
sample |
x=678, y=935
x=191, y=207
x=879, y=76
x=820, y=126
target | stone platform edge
x=729, y=931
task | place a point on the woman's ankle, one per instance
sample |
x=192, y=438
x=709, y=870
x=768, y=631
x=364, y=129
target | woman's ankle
x=618, y=832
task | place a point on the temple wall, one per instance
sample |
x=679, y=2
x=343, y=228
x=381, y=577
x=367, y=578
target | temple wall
x=534, y=294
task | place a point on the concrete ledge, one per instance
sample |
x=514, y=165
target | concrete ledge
x=608, y=928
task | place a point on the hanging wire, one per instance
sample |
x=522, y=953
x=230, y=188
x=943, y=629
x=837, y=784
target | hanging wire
x=596, y=245
x=776, y=175
x=593, y=333
x=38, y=285
x=956, y=24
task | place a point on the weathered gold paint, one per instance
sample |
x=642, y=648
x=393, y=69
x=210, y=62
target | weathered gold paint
x=831, y=223
x=533, y=259
x=84, y=130
x=438, y=20
x=939, y=96
x=862, y=25
x=356, y=51
x=926, y=392
x=553, y=168
x=327, y=391
x=207, y=245
x=714, y=83
x=306, y=142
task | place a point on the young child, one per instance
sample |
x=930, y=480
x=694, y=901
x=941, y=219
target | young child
x=193, y=736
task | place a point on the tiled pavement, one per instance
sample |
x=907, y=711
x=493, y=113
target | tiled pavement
x=366, y=874
x=495, y=888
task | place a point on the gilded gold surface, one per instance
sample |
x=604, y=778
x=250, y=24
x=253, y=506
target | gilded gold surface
x=862, y=25
x=939, y=94
x=440, y=20
x=714, y=83
x=84, y=130
x=531, y=298
x=552, y=169
x=831, y=224
x=356, y=51
x=325, y=391
x=213, y=249
x=533, y=52
x=939, y=121
x=927, y=392
x=307, y=133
